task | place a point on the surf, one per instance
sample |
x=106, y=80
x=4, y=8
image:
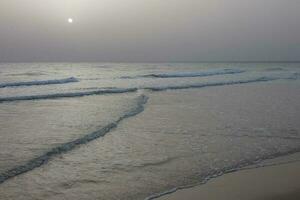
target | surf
x=41, y=82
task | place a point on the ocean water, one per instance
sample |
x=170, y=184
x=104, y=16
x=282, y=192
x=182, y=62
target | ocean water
x=138, y=130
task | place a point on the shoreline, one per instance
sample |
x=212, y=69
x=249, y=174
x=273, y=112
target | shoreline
x=272, y=179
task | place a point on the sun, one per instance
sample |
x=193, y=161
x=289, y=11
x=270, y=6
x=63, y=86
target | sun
x=70, y=20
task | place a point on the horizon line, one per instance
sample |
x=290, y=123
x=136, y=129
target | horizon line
x=244, y=61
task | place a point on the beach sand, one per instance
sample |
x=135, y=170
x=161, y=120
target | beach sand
x=279, y=179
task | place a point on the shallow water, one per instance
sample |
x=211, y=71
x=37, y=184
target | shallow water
x=183, y=136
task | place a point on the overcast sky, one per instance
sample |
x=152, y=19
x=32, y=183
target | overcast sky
x=149, y=30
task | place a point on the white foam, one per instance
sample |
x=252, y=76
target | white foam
x=188, y=74
x=66, y=95
x=41, y=82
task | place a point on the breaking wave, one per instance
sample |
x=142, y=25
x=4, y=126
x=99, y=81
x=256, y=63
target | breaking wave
x=244, y=165
x=42, y=82
x=126, y=90
x=188, y=74
x=201, y=85
x=294, y=76
x=67, y=95
x=63, y=148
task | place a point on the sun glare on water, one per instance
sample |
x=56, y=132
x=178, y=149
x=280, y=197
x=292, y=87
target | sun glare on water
x=70, y=20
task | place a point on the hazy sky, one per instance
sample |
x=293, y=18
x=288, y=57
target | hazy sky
x=149, y=30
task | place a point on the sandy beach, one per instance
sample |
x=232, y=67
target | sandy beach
x=279, y=179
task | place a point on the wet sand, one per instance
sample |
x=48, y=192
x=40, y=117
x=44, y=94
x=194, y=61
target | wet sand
x=279, y=179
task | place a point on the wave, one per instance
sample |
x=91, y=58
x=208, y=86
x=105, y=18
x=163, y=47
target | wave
x=126, y=90
x=42, y=82
x=28, y=74
x=67, y=95
x=63, y=148
x=243, y=165
x=201, y=85
x=275, y=69
x=104, y=91
x=294, y=76
x=187, y=74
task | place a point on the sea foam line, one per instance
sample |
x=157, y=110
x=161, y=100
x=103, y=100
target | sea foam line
x=63, y=148
x=126, y=90
x=42, y=82
x=67, y=95
x=188, y=74
x=201, y=85
x=244, y=165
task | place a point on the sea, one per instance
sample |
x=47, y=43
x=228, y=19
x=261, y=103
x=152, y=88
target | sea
x=137, y=131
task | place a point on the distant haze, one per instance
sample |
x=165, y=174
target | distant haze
x=149, y=30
